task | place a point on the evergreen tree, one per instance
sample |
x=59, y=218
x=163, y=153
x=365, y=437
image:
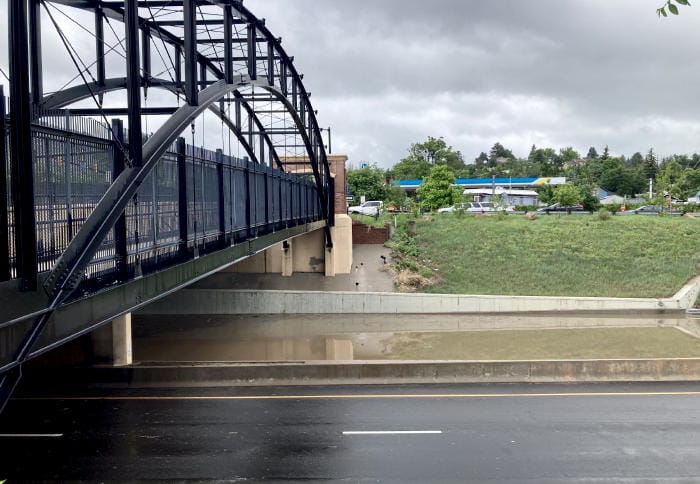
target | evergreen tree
x=651, y=166
x=636, y=160
x=592, y=153
x=481, y=160
x=499, y=151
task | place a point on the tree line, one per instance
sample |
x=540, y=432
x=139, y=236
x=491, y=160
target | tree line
x=677, y=175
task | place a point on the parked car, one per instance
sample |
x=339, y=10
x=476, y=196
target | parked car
x=476, y=207
x=558, y=208
x=650, y=210
x=371, y=208
x=453, y=208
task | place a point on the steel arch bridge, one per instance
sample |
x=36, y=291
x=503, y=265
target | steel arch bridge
x=82, y=187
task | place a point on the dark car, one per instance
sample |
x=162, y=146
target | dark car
x=558, y=208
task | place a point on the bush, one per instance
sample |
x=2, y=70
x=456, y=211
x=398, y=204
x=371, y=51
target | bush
x=603, y=214
x=526, y=208
x=612, y=208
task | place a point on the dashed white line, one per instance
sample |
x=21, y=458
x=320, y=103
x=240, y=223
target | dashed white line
x=31, y=436
x=391, y=432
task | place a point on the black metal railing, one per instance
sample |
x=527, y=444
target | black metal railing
x=226, y=200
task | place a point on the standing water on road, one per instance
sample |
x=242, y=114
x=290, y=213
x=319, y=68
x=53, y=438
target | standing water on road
x=219, y=338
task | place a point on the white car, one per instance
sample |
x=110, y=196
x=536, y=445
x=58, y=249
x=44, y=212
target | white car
x=476, y=207
x=370, y=208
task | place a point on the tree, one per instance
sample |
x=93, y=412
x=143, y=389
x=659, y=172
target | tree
x=568, y=195
x=689, y=184
x=422, y=156
x=592, y=153
x=568, y=154
x=397, y=196
x=546, y=194
x=668, y=176
x=437, y=191
x=410, y=169
x=650, y=164
x=636, y=160
x=546, y=160
x=369, y=182
x=499, y=151
x=481, y=160
x=623, y=181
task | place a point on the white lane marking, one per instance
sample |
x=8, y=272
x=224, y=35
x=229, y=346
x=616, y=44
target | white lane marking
x=30, y=436
x=390, y=432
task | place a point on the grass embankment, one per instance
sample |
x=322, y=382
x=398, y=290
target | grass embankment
x=568, y=255
x=552, y=344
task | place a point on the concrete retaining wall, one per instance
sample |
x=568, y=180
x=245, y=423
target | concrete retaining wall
x=223, y=301
x=342, y=373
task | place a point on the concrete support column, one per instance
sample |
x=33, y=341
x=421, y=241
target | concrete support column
x=287, y=258
x=342, y=245
x=122, y=353
x=112, y=344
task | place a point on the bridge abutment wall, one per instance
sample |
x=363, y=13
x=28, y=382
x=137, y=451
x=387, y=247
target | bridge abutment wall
x=305, y=253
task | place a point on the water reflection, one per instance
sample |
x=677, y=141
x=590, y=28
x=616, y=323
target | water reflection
x=413, y=337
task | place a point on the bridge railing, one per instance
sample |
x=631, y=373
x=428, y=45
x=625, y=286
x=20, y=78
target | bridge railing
x=195, y=201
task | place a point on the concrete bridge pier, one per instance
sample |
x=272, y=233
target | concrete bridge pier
x=112, y=343
x=305, y=253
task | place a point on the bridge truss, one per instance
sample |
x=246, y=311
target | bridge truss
x=93, y=204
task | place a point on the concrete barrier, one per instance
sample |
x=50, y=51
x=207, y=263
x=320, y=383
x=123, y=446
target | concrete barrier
x=224, y=301
x=388, y=372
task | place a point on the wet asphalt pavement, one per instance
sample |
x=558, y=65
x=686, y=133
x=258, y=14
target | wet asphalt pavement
x=465, y=433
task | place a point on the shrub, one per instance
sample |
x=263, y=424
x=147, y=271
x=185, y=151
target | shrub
x=603, y=214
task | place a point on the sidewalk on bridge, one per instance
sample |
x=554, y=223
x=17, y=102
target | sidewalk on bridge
x=369, y=274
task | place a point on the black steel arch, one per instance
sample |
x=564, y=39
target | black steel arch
x=66, y=97
x=279, y=67
x=311, y=133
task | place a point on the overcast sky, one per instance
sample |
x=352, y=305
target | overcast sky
x=388, y=73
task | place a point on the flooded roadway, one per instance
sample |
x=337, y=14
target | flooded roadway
x=413, y=337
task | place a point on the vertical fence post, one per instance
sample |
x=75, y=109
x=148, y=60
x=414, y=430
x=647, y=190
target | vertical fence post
x=68, y=172
x=4, y=232
x=120, y=240
x=182, y=194
x=22, y=157
x=133, y=81
x=248, y=199
x=220, y=186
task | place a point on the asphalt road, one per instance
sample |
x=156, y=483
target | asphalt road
x=460, y=433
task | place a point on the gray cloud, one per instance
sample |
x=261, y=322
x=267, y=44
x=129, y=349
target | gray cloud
x=385, y=74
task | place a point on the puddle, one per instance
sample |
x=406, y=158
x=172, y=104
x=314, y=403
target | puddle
x=411, y=337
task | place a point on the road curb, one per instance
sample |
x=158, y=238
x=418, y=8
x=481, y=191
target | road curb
x=378, y=372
